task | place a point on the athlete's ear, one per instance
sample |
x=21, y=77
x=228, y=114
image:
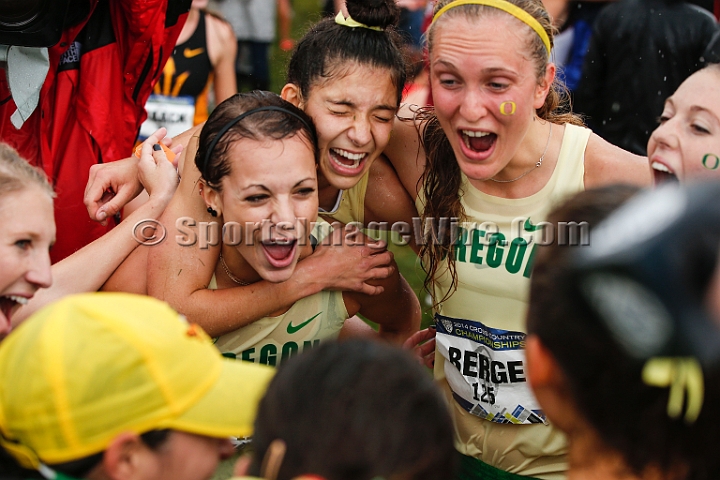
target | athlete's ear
x=543, y=88
x=541, y=365
x=291, y=93
x=212, y=198
x=126, y=457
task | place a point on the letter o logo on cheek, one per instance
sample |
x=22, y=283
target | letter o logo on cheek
x=504, y=108
x=711, y=161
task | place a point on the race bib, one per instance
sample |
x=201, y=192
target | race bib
x=174, y=113
x=485, y=368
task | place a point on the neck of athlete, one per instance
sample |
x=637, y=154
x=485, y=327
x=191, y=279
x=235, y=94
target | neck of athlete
x=190, y=25
x=327, y=194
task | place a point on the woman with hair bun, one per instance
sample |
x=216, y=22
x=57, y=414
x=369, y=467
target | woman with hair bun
x=328, y=80
x=497, y=152
x=258, y=158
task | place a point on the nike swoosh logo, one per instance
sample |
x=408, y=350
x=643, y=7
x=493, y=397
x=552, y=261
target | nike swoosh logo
x=529, y=227
x=294, y=329
x=193, y=53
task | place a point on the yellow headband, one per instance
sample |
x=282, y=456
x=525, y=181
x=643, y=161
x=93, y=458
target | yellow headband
x=505, y=6
x=349, y=22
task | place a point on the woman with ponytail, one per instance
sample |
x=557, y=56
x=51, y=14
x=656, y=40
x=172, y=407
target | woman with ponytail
x=500, y=148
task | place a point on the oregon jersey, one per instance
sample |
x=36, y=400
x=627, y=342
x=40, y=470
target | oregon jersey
x=308, y=322
x=479, y=359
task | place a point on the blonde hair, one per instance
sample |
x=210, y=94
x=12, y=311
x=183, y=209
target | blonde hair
x=17, y=174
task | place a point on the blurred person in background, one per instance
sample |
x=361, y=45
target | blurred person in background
x=98, y=73
x=352, y=410
x=630, y=313
x=639, y=53
x=254, y=23
x=574, y=21
x=204, y=56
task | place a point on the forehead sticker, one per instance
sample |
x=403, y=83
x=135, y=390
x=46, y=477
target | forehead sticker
x=507, y=108
x=711, y=161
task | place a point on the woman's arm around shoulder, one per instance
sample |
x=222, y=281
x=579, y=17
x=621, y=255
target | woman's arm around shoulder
x=180, y=268
x=606, y=164
x=396, y=310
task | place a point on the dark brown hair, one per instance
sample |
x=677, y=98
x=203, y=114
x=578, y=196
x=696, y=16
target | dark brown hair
x=604, y=382
x=277, y=125
x=355, y=410
x=328, y=46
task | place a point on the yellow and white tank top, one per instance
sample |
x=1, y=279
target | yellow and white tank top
x=480, y=358
x=308, y=322
x=350, y=206
x=271, y=340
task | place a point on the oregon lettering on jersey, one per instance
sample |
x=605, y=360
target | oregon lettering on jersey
x=476, y=245
x=485, y=368
x=268, y=353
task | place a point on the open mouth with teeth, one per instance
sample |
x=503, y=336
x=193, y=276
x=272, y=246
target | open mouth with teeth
x=10, y=303
x=662, y=173
x=280, y=253
x=478, y=142
x=345, y=162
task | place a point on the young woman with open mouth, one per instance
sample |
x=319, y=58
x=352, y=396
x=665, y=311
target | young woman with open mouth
x=348, y=78
x=257, y=157
x=500, y=148
x=686, y=144
x=27, y=280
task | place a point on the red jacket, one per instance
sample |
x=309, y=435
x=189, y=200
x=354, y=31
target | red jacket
x=92, y=102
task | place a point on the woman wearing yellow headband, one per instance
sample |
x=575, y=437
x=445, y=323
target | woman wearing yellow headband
x=499, y=149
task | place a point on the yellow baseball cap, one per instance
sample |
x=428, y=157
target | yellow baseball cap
x=91, y=366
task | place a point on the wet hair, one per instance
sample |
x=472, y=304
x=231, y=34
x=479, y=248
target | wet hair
x=17, y=174
x=441, y=179
x=355, y=410
x=284, y=121
x=328, y=49
x=603, y=381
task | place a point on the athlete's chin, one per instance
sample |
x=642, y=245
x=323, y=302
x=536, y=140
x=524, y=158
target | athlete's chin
x=276, y=275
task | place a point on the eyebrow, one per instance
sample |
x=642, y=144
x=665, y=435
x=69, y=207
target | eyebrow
x=485, y=71
x=348, y=103
x=263, y=187
x=494, y=70
x=302, y=181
